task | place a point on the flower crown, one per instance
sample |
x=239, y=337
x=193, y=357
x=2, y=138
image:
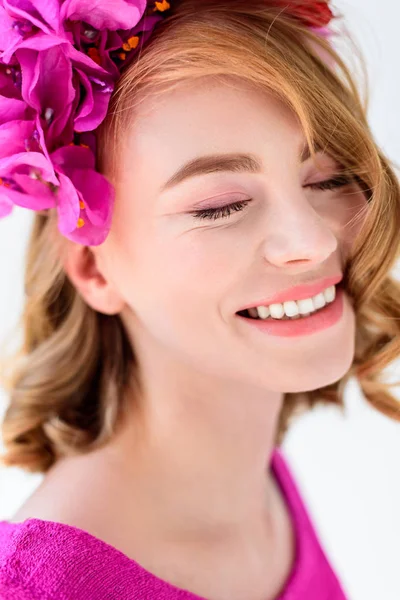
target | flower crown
x=59, y=63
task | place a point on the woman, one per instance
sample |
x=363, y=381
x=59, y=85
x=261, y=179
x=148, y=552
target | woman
x=154, y=392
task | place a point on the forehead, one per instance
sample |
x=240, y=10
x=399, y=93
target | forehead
x=208, y=116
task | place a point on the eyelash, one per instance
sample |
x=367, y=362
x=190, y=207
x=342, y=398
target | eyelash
x=225, y=211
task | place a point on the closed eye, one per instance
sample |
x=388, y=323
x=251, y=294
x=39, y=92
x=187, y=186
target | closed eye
x=331, y=184
x=226, y=211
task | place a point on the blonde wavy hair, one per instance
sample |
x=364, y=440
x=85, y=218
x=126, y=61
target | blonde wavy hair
x=68, y=379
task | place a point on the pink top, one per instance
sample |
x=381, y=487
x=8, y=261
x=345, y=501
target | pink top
x=46, y=560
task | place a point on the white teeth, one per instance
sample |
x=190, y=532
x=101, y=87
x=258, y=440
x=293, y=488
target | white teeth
x=291, y=308
x=263, y=312
x=305, y=306
x=276, y=311
x=319, y=300
x=295, y=308
x=330, y=293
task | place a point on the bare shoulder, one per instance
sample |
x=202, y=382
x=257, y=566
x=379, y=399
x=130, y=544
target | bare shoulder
x=67, y=494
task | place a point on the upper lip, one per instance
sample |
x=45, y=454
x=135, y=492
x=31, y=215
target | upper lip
x=299, y=292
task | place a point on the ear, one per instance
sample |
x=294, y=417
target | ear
x=82, y=266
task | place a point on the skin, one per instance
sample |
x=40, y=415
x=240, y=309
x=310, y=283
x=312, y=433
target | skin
x=201, y=433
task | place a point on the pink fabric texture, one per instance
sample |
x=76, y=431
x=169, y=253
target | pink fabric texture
x=46, y=560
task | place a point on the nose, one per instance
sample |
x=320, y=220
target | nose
x=296, y=233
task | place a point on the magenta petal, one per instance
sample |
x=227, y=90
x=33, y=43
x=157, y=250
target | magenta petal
x=69, y=158
x=67, y=205
x=39, y=41
x=30, y=161
x=30, y=76
x=36, y=188
x=42, y=41
x=13, y=135
x=12, y=109
x=77, y=164
x=105, y=14
x=41, y=13
x=69, y=212
x=50, y=11
x=88, y=235
x=8, y=37
x=46, y=78
x=25, y=176
x=48, y=89
x=94, y=107
x=30, y=12
x=37, y=202
x=87, y=104
x=97, y=194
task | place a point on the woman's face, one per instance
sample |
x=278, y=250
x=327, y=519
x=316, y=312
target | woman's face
x=181, y=279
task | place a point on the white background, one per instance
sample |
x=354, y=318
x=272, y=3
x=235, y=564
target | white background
x=347, y=467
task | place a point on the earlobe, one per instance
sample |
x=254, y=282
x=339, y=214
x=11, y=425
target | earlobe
x=81, y=265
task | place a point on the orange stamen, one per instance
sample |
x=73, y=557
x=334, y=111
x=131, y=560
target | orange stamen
x=161, y=6
x=131, y=43
x=81, y=204
x=80, y=223
x=122, y=55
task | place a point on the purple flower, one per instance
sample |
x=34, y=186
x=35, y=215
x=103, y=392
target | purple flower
x=24, y=168
x=42, y=14
x=66, y=87
x=47, y=87
x=67, y=180
x=85, y=197
x=22, y=18
x=15, y=137
x=59, y=62
x=104, y=14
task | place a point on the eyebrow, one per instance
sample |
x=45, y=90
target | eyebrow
x=232, y=162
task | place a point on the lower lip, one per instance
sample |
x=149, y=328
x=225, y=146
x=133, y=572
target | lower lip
x=322, y=319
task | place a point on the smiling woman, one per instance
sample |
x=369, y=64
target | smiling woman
x=244, y=278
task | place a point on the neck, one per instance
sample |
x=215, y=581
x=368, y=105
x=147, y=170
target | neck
x=204, y=449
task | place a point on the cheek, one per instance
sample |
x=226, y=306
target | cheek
x=345, y=214
x=196, y=269
x=178, y=281
x=176, y=293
